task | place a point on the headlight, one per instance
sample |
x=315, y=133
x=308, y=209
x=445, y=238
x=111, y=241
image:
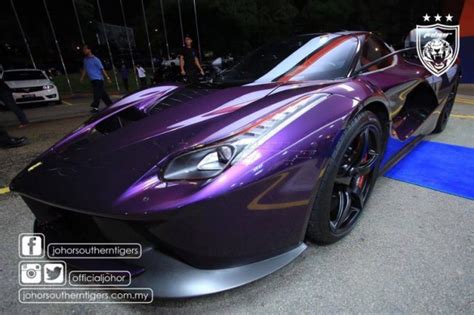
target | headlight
x=48, y=87
x=200, y=164
x=210, y=161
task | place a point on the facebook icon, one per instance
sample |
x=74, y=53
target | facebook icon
x=31, y=245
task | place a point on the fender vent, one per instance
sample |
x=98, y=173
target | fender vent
x=179, y=97
x=120, y=120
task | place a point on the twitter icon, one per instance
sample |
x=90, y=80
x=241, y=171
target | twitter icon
x=54, y=273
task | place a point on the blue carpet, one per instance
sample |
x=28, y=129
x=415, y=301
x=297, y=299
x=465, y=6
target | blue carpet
x=442, y=167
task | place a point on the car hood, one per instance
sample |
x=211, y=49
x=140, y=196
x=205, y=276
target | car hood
x=27, y=83
x=95, y=167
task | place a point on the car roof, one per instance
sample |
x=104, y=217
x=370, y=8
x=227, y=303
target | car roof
x=353, y=32
x=337, y=33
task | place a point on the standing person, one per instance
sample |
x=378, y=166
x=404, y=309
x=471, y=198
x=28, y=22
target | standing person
x=7, y=98
x=189, y=62
x=96, y=73
x=7, y=141
x=157, y=75
x=124, y=75
x=141, y=75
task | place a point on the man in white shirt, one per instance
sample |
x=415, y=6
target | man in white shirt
x=141, y=75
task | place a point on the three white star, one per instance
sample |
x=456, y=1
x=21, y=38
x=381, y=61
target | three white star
x=437, y=18
x=449, y=18
x=426, y=18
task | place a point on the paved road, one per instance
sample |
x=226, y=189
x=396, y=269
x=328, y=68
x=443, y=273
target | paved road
x=78, y=106
x=411, y=253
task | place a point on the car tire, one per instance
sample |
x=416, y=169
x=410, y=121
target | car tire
x=343, y=188
x=446, y=112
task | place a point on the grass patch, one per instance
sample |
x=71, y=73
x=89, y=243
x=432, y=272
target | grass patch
x=85, y=86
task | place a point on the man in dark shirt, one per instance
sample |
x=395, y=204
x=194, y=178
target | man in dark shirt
x=189, y=62
x=7, y=99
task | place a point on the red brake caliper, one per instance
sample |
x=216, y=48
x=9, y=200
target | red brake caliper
x=361, y=179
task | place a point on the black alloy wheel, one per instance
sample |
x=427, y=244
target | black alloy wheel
x=348, y=180
x=354, y=179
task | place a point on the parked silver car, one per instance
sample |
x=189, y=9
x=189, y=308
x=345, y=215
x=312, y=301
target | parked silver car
x=31, y=86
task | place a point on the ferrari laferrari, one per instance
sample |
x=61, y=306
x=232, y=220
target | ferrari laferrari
x=225, y=181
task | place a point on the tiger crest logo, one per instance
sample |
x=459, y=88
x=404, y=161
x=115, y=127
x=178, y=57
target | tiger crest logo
x=437, y=46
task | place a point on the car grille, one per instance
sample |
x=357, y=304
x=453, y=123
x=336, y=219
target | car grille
x=73, y=226
x=62, y=226
x=28, y=89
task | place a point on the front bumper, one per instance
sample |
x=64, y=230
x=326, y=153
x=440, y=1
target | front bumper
x=157, y=268
x=51, y=95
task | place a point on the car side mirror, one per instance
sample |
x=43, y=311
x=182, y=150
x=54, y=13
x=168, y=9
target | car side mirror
x=410, y=39
x=410, y=42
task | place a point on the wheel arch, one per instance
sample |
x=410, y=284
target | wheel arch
x=381, y=111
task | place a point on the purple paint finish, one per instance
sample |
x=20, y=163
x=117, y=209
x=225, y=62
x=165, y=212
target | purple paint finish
x=257, y=207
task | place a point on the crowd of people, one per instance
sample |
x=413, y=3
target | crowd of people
x=189, y=68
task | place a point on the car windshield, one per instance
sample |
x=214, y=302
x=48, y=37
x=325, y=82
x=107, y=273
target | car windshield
x=23, y=75
x=303, y=58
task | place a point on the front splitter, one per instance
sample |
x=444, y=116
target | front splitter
x=170, y=278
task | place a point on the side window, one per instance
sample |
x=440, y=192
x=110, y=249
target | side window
x=374, y=49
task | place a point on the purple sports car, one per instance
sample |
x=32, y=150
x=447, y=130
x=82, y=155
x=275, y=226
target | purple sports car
x=223, y=182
